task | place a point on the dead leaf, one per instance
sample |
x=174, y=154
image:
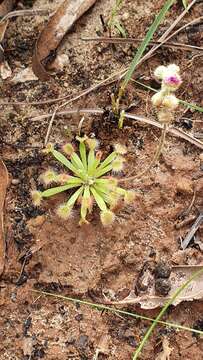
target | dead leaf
x=166, y=352
x=3, y=188
x=5, y=70
x=24, y=75
x=63, y=19
x=27, y=346
x=6, y=6
x=179, y=275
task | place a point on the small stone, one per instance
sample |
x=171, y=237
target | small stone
x=162, y=286
x=162, y=270
x=125, y=16
x=184, y=186
x=15, y=181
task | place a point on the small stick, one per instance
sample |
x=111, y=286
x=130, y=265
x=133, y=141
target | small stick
x=185, y=222
x=193, y=230
x=49, y=128
x=24, y=13
x=118, y=40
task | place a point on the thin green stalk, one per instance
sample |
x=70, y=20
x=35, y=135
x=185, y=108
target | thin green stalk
x=159, y=18
x=122, y=312
x=183, y=102
x=162, y=312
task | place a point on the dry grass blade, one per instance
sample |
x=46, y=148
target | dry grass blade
x=3, y=187
x=24, y=13
x=118, y=40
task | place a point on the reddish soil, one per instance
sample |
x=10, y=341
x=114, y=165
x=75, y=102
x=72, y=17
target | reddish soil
x=91, y=262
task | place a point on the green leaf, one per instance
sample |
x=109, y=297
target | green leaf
x=74, y=197
x=159, y=18
x=83, y=154
x=64, y=161
x=57, y=190
x=108, y=160
x=185, y=3
x=103, y=171
x=91, y=162
x=84, y=206
x=77, y=163
x=100, y=202
x=75, y=180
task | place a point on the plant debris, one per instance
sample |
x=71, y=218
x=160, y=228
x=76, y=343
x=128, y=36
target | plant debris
x=179, y=276
x=3, y=187
x=63, y=19
x=166, y=352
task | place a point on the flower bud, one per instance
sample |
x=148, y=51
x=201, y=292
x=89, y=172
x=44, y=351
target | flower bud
x=160, y=71
x=157, y=99
x=36, y=197
x=170, y=102
x=165, y=117
x=171, y=82
x=173, y=68
x=107, y=217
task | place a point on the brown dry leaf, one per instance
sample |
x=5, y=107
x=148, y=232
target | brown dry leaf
x=3, y=187
x=63, y=19
x=166, y=352
x=179, y=275
x=6, y=6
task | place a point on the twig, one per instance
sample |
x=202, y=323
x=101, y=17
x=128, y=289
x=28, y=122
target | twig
x=118, y=40
x=50, y=127
x=193, y=230
x=172, y=130
x=25, y=13
x=108, y=80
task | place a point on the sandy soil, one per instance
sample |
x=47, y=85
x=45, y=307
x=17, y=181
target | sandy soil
x=90, y=262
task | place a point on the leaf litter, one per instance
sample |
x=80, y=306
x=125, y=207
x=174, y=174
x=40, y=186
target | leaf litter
x=51, y=36
x=179, y=275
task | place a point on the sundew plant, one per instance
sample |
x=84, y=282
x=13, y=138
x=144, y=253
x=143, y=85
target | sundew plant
x=87, y=177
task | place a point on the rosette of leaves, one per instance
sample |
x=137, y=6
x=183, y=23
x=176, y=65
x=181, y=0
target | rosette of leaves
x=87, y=177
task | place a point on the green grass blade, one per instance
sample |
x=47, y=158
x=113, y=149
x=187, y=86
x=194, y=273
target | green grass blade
x=162, y=312
x=57, y=190
x=159, y=18
x=183, y=102
x=101, y=307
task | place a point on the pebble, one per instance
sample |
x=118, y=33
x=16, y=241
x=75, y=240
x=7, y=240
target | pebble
x=184, y=186
x=162, y=286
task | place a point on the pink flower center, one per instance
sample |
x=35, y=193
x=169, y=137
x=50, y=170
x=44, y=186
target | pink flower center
x=172, y=80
